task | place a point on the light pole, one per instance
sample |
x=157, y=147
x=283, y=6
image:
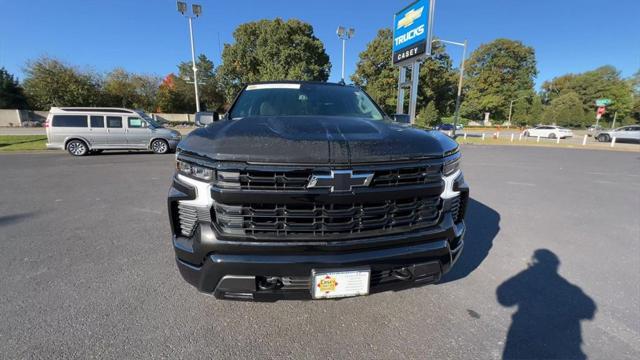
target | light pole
x=464, y=55
x=344, y=35
x=196, y=12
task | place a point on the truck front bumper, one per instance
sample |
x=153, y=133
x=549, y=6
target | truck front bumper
x=240, y=276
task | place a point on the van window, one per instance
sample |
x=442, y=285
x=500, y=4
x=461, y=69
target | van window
x=135, y=122
x=69, y=121
x=97, y=121
x=114, y=121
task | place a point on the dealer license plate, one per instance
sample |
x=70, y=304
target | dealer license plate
x=340, y=283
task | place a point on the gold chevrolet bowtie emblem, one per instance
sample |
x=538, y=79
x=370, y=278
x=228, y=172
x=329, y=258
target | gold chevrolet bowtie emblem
x=410, y=17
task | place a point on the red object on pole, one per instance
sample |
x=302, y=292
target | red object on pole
x=601, y=110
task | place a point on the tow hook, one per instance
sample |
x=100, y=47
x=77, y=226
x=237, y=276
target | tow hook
x=402, y=274
x=269, y=283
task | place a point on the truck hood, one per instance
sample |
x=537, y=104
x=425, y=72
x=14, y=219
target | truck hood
x=314, y=140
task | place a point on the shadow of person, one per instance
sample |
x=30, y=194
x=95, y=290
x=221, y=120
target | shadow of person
x=483, y=224
x=547, y=322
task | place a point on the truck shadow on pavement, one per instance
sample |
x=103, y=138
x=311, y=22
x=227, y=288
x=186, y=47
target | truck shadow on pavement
x=547, y=322
x=15, y=218
x=483, y=224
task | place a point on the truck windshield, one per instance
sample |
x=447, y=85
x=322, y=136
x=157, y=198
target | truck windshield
x=282, y=99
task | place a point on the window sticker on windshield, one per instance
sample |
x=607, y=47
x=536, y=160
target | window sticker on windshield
x=273, y=86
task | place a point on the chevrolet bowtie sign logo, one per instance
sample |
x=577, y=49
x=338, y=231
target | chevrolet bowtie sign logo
x=410, y=32
x=340, y=180
x=409, y=18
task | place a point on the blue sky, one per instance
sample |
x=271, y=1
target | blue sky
x=149, y=36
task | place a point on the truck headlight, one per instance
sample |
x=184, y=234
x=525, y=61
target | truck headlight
x=195, y=171
x=451, y=167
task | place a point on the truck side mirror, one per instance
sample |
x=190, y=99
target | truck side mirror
x=402, y=118
x=206, y=118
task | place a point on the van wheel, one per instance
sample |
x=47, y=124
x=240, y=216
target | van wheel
x=552, y=136
x=159, y=146
x=77, y=148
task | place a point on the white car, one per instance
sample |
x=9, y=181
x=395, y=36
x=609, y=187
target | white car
x=625, y=133
x=549, y=131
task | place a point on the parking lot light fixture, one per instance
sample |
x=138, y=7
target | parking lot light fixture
x=182, y=7
x=196, y=10
x=344, y=35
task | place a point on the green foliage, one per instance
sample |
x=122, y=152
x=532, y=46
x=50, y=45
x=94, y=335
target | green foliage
x=11, y=93
x=171, y=98
x=603, y=82
x=565, y=110
x=50, y=82
x=272, y=50
x=536, y=110
x=377, y=75
x=135, y=91
x=210, y=97
x=495, y=72
x=428, y=117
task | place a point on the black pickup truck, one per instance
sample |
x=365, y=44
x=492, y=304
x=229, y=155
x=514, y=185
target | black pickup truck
x=308, y=190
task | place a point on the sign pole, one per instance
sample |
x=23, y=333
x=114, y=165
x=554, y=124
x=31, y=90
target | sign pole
x=413, y=98
x=613, y=125
x=402, y=77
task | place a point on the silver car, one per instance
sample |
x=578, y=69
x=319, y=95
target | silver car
x=626, y=133
x=81, y=131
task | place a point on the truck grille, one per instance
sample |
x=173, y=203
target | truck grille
x=314, y=220
x=297, y=179
x=458, y=208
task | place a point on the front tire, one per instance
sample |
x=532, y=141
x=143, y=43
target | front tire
x=77, y=148
x=159, y=146
x=552, y=136
x=604, y=138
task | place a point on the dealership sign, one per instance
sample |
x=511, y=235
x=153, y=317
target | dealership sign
x=410, y=32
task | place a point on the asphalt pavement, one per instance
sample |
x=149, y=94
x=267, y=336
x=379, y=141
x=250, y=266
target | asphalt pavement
x=551, y=267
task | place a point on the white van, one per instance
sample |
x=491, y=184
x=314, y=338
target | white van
x=90, y=130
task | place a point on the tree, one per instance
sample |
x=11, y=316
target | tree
x=170, y=98
x=210, y=97
x=377, y=75
x=536, y=111
x=50, y=82
x=268, y=50
x=428, y=116
x=119, y=89
x=603, y=82
x=565, y=110
x=495, y=72
x=147, y=87
x=11, y=93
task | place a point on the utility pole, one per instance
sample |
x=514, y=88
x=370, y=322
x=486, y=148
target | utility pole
x=197, y=11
